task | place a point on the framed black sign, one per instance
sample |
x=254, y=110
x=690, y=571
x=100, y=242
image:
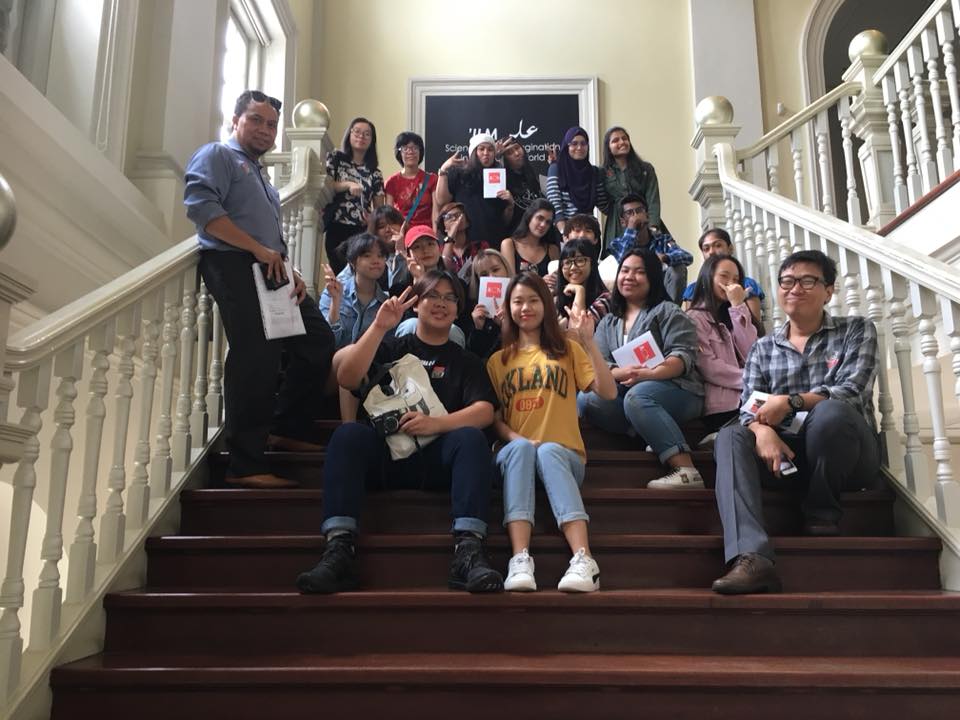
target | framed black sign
x=447, y=112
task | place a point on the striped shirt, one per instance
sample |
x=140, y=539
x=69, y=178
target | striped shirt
x=561, y=201
x=839, y=361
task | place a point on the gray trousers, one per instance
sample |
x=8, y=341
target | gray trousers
x=835, y=451
x=675, y=281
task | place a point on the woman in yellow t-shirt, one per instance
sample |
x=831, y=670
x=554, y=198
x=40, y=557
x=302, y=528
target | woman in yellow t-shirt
x=536, y=376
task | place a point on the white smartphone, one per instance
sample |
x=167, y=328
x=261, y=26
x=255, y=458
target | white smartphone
x=787, y=467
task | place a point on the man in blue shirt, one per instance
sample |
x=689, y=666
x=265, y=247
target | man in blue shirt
x=637, y=233
x=816, y=364
x=716, y=241
x=237, y=215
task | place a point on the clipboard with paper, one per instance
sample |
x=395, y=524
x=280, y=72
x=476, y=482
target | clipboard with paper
x=280, y=312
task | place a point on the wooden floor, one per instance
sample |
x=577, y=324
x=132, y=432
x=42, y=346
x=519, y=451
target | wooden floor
x=861, y=631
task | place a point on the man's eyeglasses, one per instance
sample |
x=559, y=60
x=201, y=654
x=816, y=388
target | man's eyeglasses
x=807, y=282
x=435, y=297
x=258, y=96
x=630, y=212
x=575, y=262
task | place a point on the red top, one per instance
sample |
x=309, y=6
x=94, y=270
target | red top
x=405, y=190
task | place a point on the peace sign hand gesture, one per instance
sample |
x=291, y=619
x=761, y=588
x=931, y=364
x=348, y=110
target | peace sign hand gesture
x=391, y=312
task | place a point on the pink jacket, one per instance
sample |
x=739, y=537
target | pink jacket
x=721, y=356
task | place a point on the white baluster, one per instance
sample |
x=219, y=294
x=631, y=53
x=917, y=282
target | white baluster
x=728, y=213
x=772, y=157
x=738, y=231
x=782, y=231
x=919, y=481
x=762, y=268
x=891, y=441
x=45, y=608
x=849, y=267
x=773, y=263
x=951, y=326
x=33, y=394
x=138, y=496
x=931, y=52
x=946, y=490
x=215, y=394
x=83, y=550
x=198, y=418
x=796, y=152
x=899, y=183
x=749, y=249
x=822, y=130
x=181, y=425
x=928, y=167
x=296, y=253
x=162, y=464
x=835, y=305
x=114, y=522
x=945, y=35
x=904, y=86
x=853, y=200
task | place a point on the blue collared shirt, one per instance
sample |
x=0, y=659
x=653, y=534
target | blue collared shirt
x=355, y=317
x=221, y=179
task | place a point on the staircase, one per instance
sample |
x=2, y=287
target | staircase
x=862, y=630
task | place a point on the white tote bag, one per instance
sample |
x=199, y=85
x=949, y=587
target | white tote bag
x=408, y=389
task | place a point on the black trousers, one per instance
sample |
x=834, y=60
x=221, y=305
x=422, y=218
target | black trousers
x=252, y=404
x=335, y=237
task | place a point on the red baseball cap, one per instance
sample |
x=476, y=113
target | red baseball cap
x=417, y=232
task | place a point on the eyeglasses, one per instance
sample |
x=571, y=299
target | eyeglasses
x=452, y=216
x=365, y=134
x=435, y=297
x=807, y=282
x=630, y=212
x=575, y=262
x=409, y=148
x=577, y=144
x=258, y=96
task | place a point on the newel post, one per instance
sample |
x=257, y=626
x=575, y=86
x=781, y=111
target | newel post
x=714, y=118
x=311, y=120
x=868, y=112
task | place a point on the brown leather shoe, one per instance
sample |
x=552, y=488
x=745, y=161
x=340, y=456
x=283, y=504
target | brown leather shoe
x=751, y=573
x=265, y=481
x=278, y=442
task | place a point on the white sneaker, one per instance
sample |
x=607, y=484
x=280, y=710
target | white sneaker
x=520, y=573
x=685, y=478
x=583, y=575
x=708, y=441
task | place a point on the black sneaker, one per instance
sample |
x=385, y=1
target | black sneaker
x=470, y=569
x=336, y=571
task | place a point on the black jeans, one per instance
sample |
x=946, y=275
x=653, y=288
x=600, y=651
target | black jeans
x=359, y=460
x=252, y=405
x=335, y=237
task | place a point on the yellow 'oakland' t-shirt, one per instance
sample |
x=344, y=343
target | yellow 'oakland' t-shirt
x=538, y=396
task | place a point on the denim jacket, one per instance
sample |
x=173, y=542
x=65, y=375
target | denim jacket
x=354, y=317
x=674, y=332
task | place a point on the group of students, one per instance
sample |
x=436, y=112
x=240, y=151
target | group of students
x=528, y=371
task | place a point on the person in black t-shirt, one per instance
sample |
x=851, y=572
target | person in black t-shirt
x=458, y=459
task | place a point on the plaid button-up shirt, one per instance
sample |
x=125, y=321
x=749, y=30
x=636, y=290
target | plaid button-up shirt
x=839, y=362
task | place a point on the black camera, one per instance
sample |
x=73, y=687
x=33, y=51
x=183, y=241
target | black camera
x=388, y=423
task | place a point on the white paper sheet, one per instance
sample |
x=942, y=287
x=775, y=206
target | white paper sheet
x=790, y=425
x=642, y=350
x=280, y=312
x=494, y=180
x=492, y=291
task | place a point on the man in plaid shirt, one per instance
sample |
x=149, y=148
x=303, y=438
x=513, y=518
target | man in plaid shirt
x=814, y=363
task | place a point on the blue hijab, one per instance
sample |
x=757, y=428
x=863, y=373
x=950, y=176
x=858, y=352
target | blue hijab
x=577, y=176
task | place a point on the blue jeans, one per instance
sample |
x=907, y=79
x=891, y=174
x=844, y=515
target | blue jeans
x=651, y=409
x=359, y=460
x=559, y=468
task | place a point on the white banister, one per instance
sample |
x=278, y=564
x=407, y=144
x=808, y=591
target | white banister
x=138, y=497
x=945, y=36
x=931, y=54
x=899, y=174
x=198, y=417
x=215, y=394
x=161, y=466
x=181, y=441
x=853, y=199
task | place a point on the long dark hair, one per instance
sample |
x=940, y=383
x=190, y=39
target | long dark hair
x=526, y=171
x=523, y=227
x=633, y=159
x=370, y=157
x=593, y=286
x=654, y=270
x=552, y=341
x=705, y=300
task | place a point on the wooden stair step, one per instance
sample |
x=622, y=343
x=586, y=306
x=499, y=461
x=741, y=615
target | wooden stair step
x=470, y=685
x=252, y=512
x=626, y=561
x=911, y=624
x=605, y=468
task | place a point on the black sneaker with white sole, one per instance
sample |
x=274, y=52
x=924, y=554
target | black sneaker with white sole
x=337, y=569
x=470, y=569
